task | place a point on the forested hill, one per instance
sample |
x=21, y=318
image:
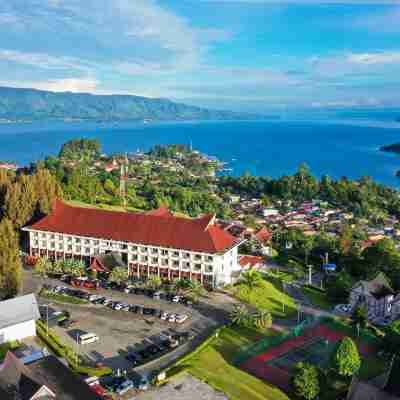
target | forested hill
x=30, y=104
x=392, y=148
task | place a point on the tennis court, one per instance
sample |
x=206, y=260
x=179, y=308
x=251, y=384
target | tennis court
x=316, y=352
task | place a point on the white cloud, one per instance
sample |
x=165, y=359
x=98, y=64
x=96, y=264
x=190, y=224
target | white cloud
x=57, y=85
x=374, y=58
x=42, y=60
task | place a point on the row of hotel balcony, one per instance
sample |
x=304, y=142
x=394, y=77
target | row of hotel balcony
x=135, y=259
x=68, y=243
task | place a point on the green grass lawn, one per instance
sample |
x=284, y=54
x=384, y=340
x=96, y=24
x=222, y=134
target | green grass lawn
x=213, y=365
x=318, y=298
x=268, y=296
x=109, y=207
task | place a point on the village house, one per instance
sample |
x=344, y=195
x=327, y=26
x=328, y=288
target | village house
x=376, y=295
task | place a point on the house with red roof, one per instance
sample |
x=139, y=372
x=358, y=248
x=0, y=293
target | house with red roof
x=152, y=243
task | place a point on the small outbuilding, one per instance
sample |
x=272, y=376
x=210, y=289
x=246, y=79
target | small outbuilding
x=18, y=317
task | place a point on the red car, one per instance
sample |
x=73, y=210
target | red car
x=100, y=391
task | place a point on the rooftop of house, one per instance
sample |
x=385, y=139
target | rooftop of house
x=17, y=310
x=378, y=287
x=46, y=373
x=157, y=228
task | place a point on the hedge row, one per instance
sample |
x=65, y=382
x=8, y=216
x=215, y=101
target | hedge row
x=315, y=288
x=61, y=350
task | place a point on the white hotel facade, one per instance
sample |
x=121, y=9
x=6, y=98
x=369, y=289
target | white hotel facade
x=155, y=243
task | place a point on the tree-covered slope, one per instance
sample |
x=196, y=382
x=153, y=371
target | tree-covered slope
x=31, y=104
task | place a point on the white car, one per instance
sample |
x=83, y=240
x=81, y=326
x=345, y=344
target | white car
x=126, y=307
x=172, y=318
x=164, y=316
x=343, y=308
x=118, y=306
x=181, y=318
x=176, y=299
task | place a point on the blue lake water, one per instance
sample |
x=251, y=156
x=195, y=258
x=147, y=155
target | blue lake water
x=272, y=148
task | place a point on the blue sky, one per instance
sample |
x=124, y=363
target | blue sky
x=252, y=55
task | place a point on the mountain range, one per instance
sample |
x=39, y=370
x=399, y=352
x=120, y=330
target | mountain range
x=19, y=104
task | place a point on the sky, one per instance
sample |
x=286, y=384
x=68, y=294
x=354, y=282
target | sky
x=245, y=55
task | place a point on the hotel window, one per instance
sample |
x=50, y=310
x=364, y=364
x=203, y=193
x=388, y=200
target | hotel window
x=44, y=243
x=154, y=260
x=52, y=245
x=186, y=265
x=134, y=257
x=197, y=257
x=69, y=247
x=143, y=249
x=60, y=246
x=175, y=253
x=134, y=248
x=87, y=241
x=209, y=269
x=87, y=250
x=175, y=263
x=95, y=242
x=154, y=251
x=35, y=234
x=164, y=252
x=36, y=243
x=52, y=236
x=186, y=255
x=60, y=237
x=78, y=249
x=43, y=235
x=123, y=246
x=143, y=258
x=77, y=240
x=197, y=267
x=164, y=261
x=210, y=258
x=69, y=239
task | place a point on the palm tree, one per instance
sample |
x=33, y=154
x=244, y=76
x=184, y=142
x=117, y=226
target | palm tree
x=154, y=282
x=181, y=285
x=251, y=279
x=262, y=319
x=239, y=315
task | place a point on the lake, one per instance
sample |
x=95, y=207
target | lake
x=273, y=148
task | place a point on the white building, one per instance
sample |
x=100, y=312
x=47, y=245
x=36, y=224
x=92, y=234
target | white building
x=17, y=318
x=153, y=243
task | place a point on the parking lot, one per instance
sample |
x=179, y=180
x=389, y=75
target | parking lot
x=123, y=332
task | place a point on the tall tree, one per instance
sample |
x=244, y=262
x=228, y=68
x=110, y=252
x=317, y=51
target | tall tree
x=305, y=382
x=346, y=360
x=251, y=279
x=10, y=260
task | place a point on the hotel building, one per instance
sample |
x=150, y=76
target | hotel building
x=153, y=243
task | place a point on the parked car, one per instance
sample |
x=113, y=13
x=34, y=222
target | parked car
x=164, y=316
x=157, y=295
x=66, y=323
x=172, y=318
x=343, y=308
x=148, y=311
x=118, y=306
x=134, y=358
x=181, y=318
x=177, y=299
x=141, y=383
x=126, y=307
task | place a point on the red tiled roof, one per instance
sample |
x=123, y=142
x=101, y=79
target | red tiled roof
x=165, y=231
x=250, y=261
x=161, y=212
x=263, y=235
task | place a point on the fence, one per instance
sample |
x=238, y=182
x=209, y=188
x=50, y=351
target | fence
x=264, y=344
